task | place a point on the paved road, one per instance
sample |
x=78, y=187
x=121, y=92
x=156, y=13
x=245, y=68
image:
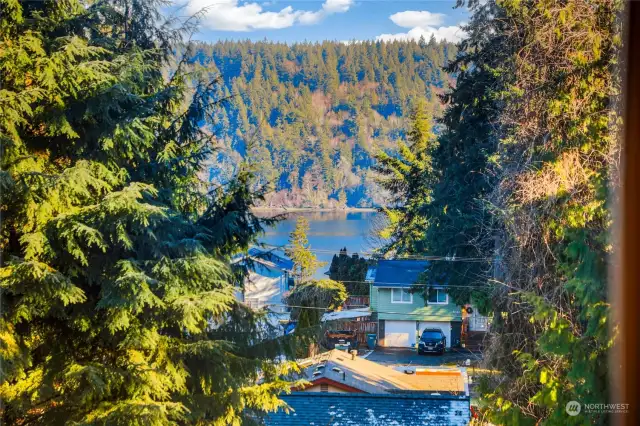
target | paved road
x=404, y=356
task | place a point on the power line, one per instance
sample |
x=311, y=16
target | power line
x=402, y=257
x=437, y=286
x=378, y=312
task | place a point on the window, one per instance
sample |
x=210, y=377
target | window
x=437, y=297
x=401, y=295
x=432, y=334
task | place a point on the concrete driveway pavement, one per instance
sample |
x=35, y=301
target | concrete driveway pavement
x=407, y=356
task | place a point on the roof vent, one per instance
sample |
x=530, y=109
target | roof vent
x=409, y=371
x=336, y=369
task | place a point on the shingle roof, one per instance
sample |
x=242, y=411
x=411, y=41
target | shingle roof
x=276, y=258
x=399, y=273
x=372, y=377
x=349, y=409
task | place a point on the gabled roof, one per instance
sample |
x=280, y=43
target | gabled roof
x=371, y=377
x=358, y=409
x=398, y=272
x=271, y=258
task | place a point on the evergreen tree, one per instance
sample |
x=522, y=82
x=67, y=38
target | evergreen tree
x=525, y=158
x=351, y=270
x=459, y=215
x=409, y=177
x=115, y=255
x=299, y=251
x=310, y=300
x=342, y=198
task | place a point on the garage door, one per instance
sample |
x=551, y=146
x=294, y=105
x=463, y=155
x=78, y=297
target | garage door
x=399, y=334
x=444, y=326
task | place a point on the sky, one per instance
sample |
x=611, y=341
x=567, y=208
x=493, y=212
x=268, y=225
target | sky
x=317, y=20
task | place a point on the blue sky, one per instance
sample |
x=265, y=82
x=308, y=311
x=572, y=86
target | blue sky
x=317, y=20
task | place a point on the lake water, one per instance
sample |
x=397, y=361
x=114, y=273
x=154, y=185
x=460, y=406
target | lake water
x=329, y=231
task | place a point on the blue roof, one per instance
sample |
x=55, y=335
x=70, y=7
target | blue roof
x=360, y=409
x=371, y=274
x=280, y=260
x=399, y=273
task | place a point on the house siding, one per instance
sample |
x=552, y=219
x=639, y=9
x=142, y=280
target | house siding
x=373, y=297
x=416, y=311
x=318, y=388
x=265, y=286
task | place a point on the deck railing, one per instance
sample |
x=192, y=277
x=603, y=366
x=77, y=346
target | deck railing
x=356, y=302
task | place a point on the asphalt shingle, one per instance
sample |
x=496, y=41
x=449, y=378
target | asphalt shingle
x=371, y=377
x=350, y=409
x=399, y=273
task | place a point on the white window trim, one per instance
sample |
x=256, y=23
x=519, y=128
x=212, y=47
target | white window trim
x=446, y=302
x=401, y=301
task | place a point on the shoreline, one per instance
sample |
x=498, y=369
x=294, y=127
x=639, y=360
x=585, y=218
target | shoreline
x=314, y=209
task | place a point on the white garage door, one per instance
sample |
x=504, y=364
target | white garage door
x=399, y=334
x=444, y=326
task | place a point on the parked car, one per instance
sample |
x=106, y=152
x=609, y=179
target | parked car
x=341, y=338
x=432, y=340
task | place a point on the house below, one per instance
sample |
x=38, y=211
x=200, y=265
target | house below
x=267, y=282
x=361, y=409
x=342, y=372
x=399, y=308
x=344, y=389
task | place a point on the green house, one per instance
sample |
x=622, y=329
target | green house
x=401, y=312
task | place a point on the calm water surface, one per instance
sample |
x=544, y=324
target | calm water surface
x=329, y=232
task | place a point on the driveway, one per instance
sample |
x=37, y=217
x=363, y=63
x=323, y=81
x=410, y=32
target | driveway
x=406, y=356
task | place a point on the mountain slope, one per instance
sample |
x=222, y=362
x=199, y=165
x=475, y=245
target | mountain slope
x=310, y=116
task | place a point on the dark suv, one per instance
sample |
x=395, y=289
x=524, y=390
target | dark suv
x=432, y=340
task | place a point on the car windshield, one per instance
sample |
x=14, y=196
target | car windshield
x=431, y=335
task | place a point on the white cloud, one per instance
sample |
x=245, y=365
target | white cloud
x=329, y=7
x=415, y=18
x=234, y=15
x=422, y=24
x=452, y=33
x=337, y=6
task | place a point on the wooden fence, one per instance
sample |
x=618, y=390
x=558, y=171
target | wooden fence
x=361, y=327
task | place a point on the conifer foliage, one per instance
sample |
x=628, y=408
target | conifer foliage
x=350, y=270
x=299, y=250
x=313, y=114
x=409, y=177
x=526, y=161
x=117, y=298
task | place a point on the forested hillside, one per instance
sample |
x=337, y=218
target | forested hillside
x=310, y=117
